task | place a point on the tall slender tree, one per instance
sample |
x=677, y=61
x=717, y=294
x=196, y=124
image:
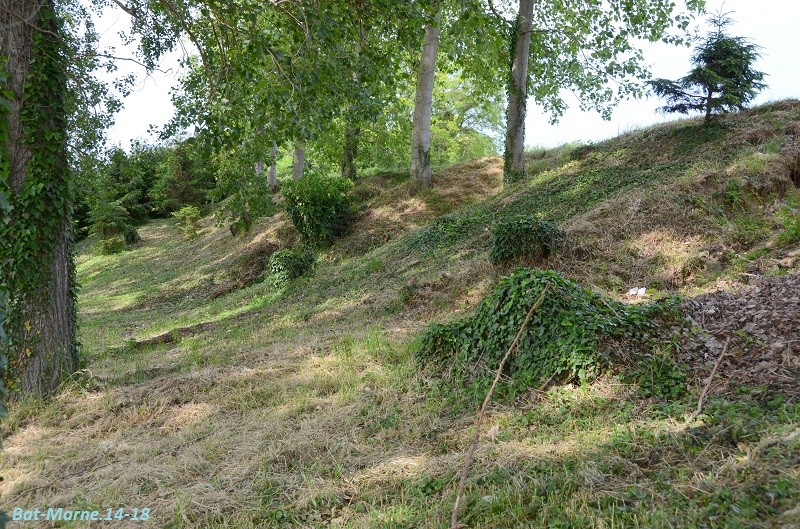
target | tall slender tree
x=514, y=161
x=423, y=104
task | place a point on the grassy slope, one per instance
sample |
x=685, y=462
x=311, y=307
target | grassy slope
x=302, y=406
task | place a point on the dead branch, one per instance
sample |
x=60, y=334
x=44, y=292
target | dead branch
x=702, y=398
x=479, y=421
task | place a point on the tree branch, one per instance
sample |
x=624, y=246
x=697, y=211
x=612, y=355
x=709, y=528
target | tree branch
x=471, y=454
x=130, y=10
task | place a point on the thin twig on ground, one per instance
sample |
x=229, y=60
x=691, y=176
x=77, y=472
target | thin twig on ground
x=702, y=398
x=479, y=421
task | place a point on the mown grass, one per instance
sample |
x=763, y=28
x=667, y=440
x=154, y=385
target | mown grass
x=303, y=406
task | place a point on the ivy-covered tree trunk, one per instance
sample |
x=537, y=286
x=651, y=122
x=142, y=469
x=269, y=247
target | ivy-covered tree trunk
x=514, y=158
x=36, y=266
x=423, y=106
x=299, y=160
x=272, y=176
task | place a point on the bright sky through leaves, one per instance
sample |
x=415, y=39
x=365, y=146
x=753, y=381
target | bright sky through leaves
x=770, y=24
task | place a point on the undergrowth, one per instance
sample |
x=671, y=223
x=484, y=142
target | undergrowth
x=573, y=335
x=286, y=265
x=524, y=237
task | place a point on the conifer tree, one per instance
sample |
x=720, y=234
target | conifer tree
x=723, y=78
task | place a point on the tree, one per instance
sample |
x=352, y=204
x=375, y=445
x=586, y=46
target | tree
x=423, y=104
x=723, y=78
x=582, y=47
x=36, y=265
x=513, y=159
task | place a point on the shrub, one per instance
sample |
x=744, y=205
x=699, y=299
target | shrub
x=524, y=237
x=188, y=216
x=571, y=335
x=112, y=245
x=130, y=234
x=319, y=207
x=286, y=265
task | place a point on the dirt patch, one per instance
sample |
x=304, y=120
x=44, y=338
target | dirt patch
x=247, y=269
x=762, y=321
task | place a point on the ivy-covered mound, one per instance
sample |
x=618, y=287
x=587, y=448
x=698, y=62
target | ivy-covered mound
x=573, y=335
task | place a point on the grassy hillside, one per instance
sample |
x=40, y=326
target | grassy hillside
x=218, y=400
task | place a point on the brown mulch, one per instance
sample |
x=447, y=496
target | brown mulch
x=762, y=320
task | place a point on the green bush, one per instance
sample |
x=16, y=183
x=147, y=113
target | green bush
x=112, y=245
x=286, y=265
x=130, y=234
x=571, y=336
x=188, y=217
x=524, y=237
x=319, y=206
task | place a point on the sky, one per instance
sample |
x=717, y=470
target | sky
x=772, y=24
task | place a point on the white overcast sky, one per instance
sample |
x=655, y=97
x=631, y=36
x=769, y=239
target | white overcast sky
x=772, y=24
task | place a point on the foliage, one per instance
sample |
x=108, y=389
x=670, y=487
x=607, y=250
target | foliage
x=122, y=191
x=244, y=193
x=723, y=78
x=658, y=375
x=570, y=336
x=114, y=203
x=188, y=217
x=286, y=265
x=319, y=206
x=184, y=177
x=523, y=237
x=466, y=124
x=112, y=245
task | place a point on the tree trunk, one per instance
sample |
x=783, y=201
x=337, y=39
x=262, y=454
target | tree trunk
x=299, y=162
x=350, y=150
x=352, y=132
x=272, y=176
x=41, y=322
x=423, y=106
x=709, y=93
x=514, y=158
x=54, y=353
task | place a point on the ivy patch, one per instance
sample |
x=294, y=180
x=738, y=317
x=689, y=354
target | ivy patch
x=572, y=336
